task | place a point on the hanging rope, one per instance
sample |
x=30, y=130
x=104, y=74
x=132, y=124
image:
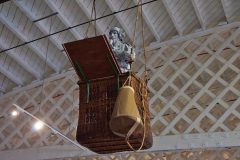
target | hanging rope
x=93, y=21
x=143, y=86
x=73, y=105
x=95, y=17
x=133, y=39
x=45, y=64
x=135, y=26
x=144, y=47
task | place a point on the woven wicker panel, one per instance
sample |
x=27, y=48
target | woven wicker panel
x=94, y=116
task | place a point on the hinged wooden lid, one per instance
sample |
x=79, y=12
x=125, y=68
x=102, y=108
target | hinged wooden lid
x=92, y=58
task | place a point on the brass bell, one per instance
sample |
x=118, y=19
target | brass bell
x=126, y=119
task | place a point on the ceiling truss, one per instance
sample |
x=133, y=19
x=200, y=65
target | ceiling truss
x=193, y=60
x=13, y=18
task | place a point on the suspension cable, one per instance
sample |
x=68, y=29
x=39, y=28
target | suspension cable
x=93, y=12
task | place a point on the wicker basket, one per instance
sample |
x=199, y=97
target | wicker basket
x=95, y=110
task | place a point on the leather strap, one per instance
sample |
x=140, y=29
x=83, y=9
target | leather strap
x=130, y=132
x=134, y=127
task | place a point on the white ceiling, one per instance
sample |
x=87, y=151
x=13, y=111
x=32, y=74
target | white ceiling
x=163, y=20
x=193, y=63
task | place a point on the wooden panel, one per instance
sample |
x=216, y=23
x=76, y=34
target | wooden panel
x=92, y=58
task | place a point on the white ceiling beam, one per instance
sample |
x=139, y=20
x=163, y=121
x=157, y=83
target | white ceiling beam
x=149, y=23
x=37, y=83
x=119, y=18
x=44, y=153
x=39, y=24
x=88, y=15
x=11, y=76
x=225, y=10
x=193, y=35
x=196, y=141
x=173, y=17
x=24, y=38
x=217, y=140
x=20, y=61
x=199, y=15
x=66, y=22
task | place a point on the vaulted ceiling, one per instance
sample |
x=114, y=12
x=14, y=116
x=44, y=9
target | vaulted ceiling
x=23, y=21
x=193, y=61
